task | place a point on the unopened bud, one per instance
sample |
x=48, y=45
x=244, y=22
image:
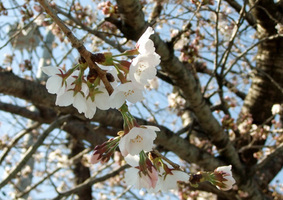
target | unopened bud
x=98, y=57
x=92, y=75
x=110, y=77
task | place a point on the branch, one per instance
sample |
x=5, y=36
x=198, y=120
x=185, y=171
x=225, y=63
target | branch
x=227, y=83
x=90, y=181
x=32, y=150
x=16, y=139
x=38, y=95
x=89, y=30
x=183, y=78
x=77, y=44
x=248, y=16
x=77, y=128
x=18, y=110
x=73, y=160
x=270, y=166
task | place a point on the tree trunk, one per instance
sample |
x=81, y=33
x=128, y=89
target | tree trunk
x=81, y=172
x=268, y=77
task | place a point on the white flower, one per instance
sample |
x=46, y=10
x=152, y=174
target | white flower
x=279, y=27
x=125, y=91
x=91, y=108
x=143, y=69
x=102, y=99
x=226, y=173
x=170, y=181
x=39, y=20
x=276, y=109
x=153, y=84
x=132, y=160
x=80, y=99
x=134, y=177
x=144, y=44
x=80, y=103
x=65, y=99
x=138, y=139
x=174, y=100
x=55, y=82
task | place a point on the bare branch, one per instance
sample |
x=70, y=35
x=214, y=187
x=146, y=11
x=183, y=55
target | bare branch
x=16, y=139
x=250, y=18
x=270, y=166
x=32, y=150
x=72, y=160
x=90, y=181
x=77, y=44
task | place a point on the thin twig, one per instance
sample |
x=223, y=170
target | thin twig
x=76, y=43
x=72, y=160
x=16, y=139
x=32, y=150
x=90, y=181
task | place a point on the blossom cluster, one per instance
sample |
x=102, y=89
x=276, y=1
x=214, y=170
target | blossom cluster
x=87, y=92
x=148, y=170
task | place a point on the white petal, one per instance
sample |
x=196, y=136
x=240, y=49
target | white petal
x=102, y=100
x=51, y=71
x=54, y=84
x=117, y=99
x=91, y=109
x=145, y=36
x=65, y=99
x=131, y=176
x=132, y=160
x=80, y=103
x=136, y=96
x=146, y=47
x=123, y=146
x=170, y=181
x=154, y=128
x=226, y=169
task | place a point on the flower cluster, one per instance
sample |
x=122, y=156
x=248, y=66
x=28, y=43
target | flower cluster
x=87, y=92
x=152, y=173
x=136, y=144
x=221, y=177
x=150, y=169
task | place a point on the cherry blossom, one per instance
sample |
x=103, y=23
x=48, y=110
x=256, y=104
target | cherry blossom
x=80, y=99
x=55, y=82
x=65, y=99
x=125, y=91
x=95, y=158
x=134, y=176
x=102, y=98
x=132, y=160
x=144, y=44
x=91, y=108
x=138, y=139
x=143, y=69
x=170, y=181
x=276, y=109
x=224, y=178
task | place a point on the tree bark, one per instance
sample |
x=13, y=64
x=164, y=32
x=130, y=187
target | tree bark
x=268, y=73
x=81, y=172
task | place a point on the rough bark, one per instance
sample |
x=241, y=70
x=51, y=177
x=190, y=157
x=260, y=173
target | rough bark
x=268, y=73
x=81, y=172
